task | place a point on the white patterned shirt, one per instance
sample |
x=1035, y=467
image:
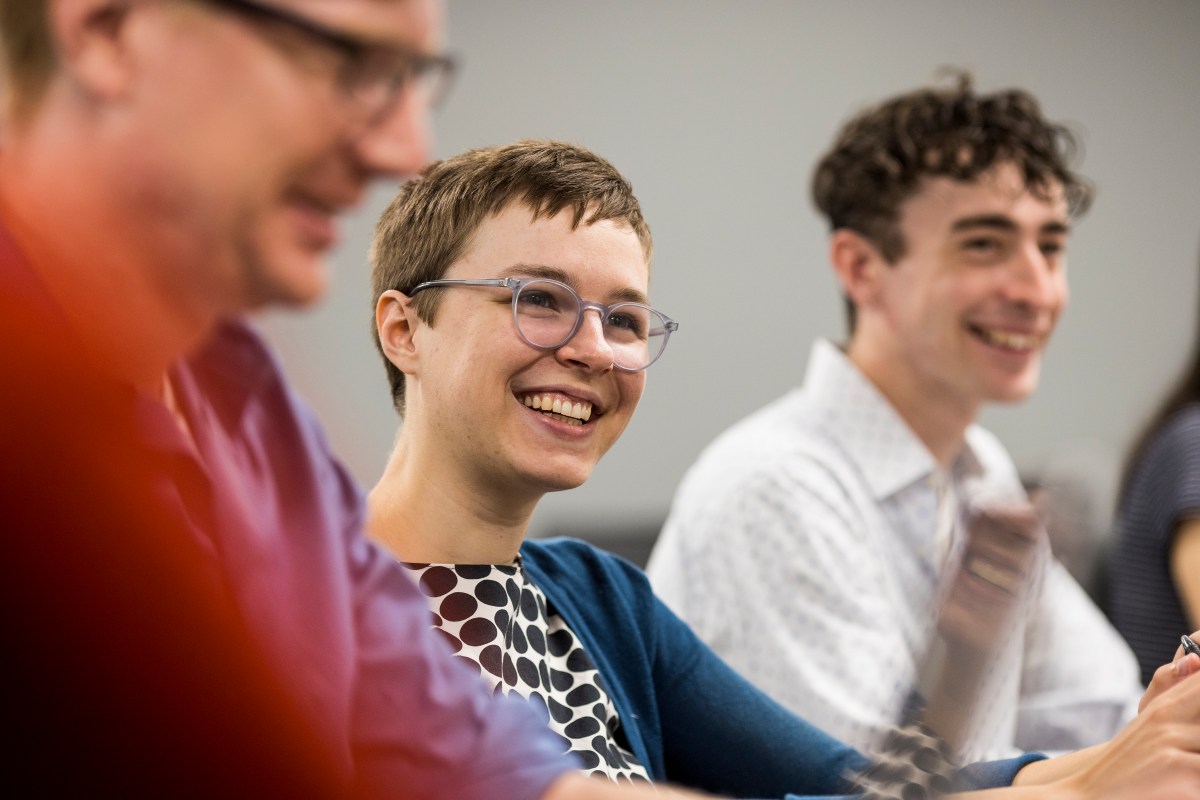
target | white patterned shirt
x=806, y=547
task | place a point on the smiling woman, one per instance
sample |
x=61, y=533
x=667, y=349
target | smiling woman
x=487, y=270
x=478, y=347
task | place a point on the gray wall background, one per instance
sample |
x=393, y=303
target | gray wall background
x=716, y=111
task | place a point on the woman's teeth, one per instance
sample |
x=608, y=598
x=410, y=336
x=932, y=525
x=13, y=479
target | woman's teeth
x=575, y=413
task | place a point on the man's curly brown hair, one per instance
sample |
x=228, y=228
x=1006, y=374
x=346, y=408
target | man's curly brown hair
x=881, y=156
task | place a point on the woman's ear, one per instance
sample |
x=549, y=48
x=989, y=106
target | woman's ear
x=857, y=264
x=396, y=322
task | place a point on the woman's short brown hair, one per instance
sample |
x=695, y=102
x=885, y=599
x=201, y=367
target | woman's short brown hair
x=430, y=223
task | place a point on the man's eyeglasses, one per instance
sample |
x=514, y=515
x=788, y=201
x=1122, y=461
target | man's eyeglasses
x=548, y=313
x=372, y=75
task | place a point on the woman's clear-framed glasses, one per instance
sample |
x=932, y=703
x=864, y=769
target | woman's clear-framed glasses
x=547, y=313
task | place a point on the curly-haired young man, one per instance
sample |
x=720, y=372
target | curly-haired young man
x=810, y=542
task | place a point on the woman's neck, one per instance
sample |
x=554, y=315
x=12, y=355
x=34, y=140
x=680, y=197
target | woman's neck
x=425, y=513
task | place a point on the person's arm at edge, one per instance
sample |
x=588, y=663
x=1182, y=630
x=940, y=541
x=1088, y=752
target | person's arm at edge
x=723, y=734
x=1185, y=566
x=1071, y=766
x=575, y=786
x=1134, y=762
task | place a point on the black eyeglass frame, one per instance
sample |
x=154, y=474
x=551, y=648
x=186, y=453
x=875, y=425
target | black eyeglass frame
x=669, y=325
x=415, y=68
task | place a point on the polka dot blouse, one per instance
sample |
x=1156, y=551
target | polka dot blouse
x=496, y=620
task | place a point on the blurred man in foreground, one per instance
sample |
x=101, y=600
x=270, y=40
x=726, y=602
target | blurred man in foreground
x=189, y=606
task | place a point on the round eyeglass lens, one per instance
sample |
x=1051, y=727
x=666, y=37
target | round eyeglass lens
x=547, y=314
x=376, y=77
x=629, y=330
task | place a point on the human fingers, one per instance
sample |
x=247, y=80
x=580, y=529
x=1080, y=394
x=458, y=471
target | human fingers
x=993, y=571
x=1002, y=537
x=1173, y=709
x=1173, y=786
x=1140, y=755
x=1188, y=644
x=1014, y=522
x=1170, y=675
x=1001, y=545
x=986, y=590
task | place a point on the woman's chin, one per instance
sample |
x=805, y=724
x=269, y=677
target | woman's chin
x=562, y=485
x=560, y=480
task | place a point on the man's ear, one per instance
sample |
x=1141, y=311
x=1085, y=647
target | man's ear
x=396, y=322
x=93, y=43
x=857, y=264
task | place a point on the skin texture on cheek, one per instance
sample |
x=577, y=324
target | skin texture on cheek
x=206, y=117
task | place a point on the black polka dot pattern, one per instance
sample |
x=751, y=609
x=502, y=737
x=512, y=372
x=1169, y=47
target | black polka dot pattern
x=495, y=619
x=912, y=764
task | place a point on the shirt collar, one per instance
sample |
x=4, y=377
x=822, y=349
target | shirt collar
x=227, y=372
x=215, y=384
x=868, y=427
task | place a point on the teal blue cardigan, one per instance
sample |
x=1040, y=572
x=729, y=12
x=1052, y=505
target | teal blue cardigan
x=690, y=719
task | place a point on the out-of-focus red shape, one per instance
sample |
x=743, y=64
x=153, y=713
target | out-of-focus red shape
x=127, y=671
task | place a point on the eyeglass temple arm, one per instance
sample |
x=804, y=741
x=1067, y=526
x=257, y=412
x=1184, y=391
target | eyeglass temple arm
x=507, y=282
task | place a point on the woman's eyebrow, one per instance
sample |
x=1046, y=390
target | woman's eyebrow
x=625, y=295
